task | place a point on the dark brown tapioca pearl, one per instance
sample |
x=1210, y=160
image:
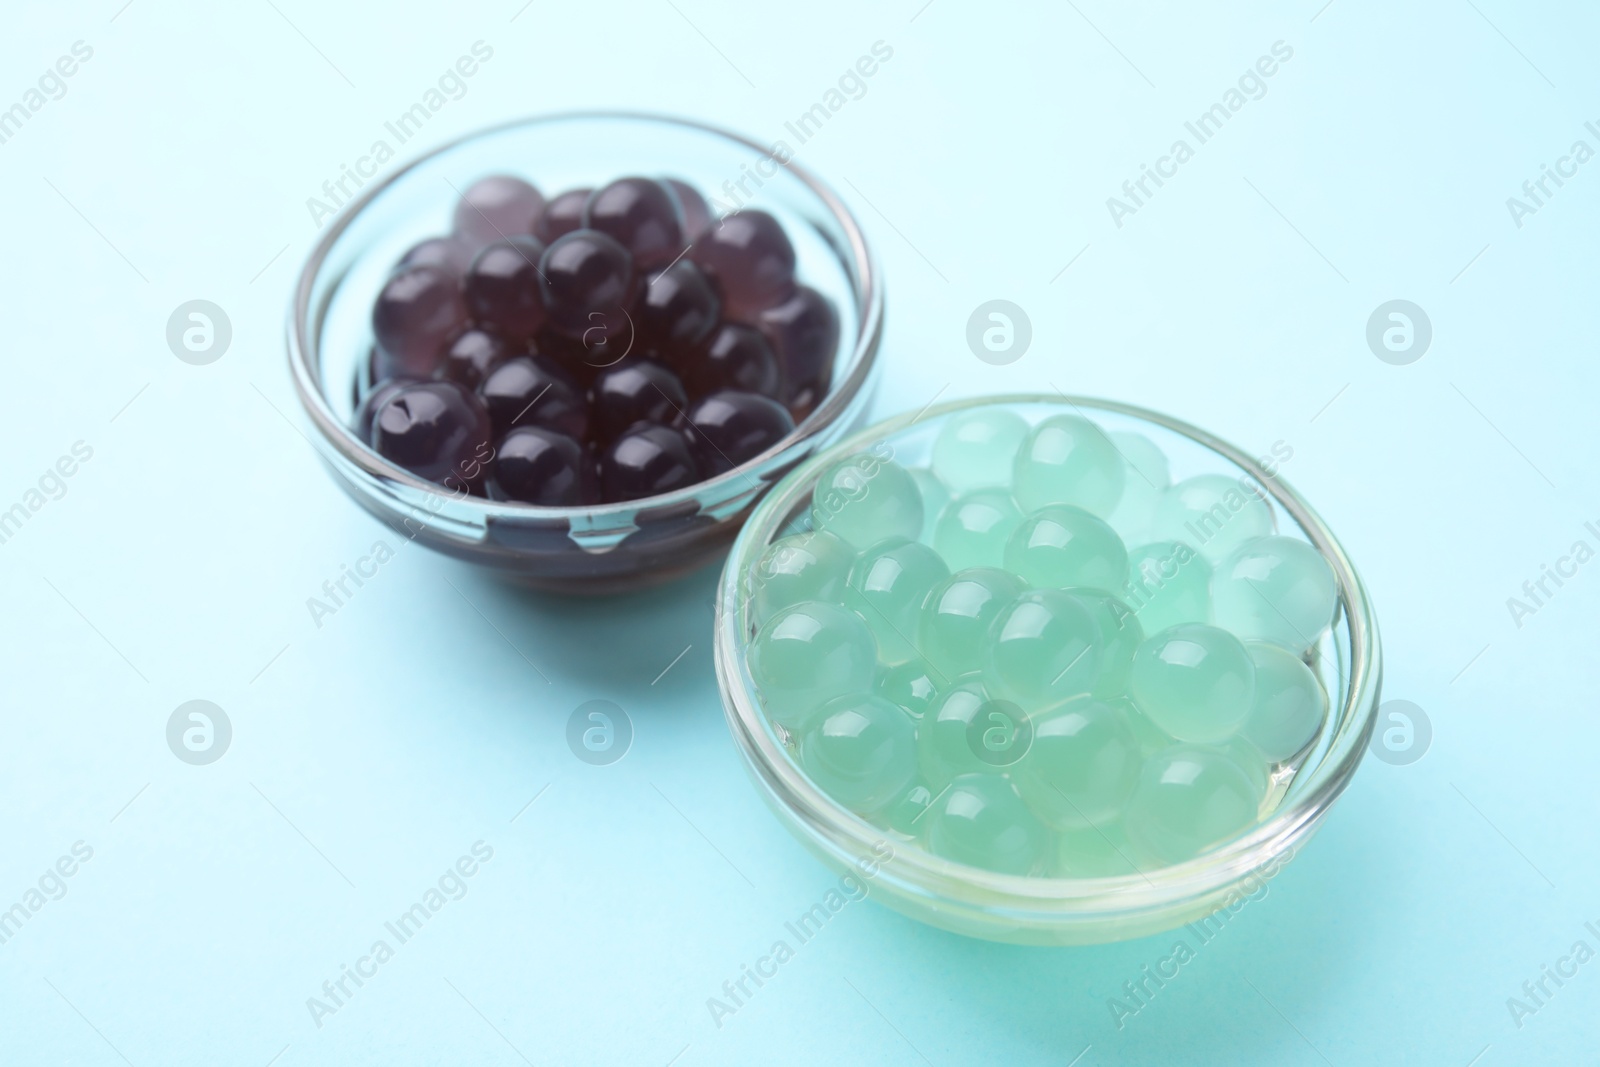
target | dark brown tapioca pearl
x=561, y=215
x=677, y=311
x=471, y=357
x=436, y=430
x=497, y=208
x=751, y=259
x=647, y=460
x=532, y=391
x=502, y=288
x=804, y=331
x=643, y=217
x=692, y=206
x=587, y=282
x=539, y=466
x=449, y=254
x=727, y=428
x=735, y=356
x=635, y=391
x=417, y=313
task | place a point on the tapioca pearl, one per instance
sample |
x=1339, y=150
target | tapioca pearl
x=730, y=428
x=1189, y=798
x=1100, y=852
x=677, y=311
x=733, y=356
x=367, y=410
x=1290, y=703
x=982, y=822
x=956, y=618
x=496, y=208
x=978, y=449
x=865, y=498
x=1043, y=647
x=1277, y=589
x=861, y=751
x=436, y=430
x=974, y=528
x=750, y=256
x=887, y=587
x=804, y=332
x=1145, y=480
x=539, y=466
x=642, y=215
x=586, y=279
x=806, y=655
x=418, y=312
x=904, y=813
x=561, y=215
x=1120, y=638
x=909, y=686
x=1168, y=584
x=813, y=565
x=502, y=288
x=1080, y=769
x=647, y=460
x=944, y=736
x=1061, y=546
x=1196, y=682
x=1151, y=738
x=1213, y=513
x=1067, y=459
x=934, y=497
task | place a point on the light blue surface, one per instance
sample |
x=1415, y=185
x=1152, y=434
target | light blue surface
x=372, y=752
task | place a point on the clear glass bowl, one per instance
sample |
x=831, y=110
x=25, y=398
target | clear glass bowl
x=1041, y=910
x=606, y=547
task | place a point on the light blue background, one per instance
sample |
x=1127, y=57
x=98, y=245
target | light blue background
x=370, y=753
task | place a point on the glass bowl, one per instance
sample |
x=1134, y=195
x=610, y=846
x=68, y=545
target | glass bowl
x=1053, y=910
x=603, y=547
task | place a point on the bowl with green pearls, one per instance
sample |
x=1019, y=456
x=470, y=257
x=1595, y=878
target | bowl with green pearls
x=1046, y=669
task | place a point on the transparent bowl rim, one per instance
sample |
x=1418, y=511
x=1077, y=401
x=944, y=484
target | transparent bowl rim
x=866, y=286
x=1043, y=899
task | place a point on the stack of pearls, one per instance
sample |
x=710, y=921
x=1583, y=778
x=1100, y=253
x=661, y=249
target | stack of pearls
x=1038, y=655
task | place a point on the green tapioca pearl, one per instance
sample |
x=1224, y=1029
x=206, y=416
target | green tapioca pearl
x=944, y=737
x=887, y=587
x=1213, y=513
x=1169, y=583
x=1289, y=706
x=1061, y=546
x=865, y=499
x=1120, y=637
x=1195, y=682
x=806, y=655
x=910, y=686
x=935, y=495
x=1189, y=798
x=973, y=529
x=1151, y=738
x=1044, y=647
x=806, y=566
x=979, y=820
x=1080, y=769
x=1276, y=589
x=1145, y=481
x=977, y=448
x=862, y=751
x=956, y=618
x=1068, y=460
